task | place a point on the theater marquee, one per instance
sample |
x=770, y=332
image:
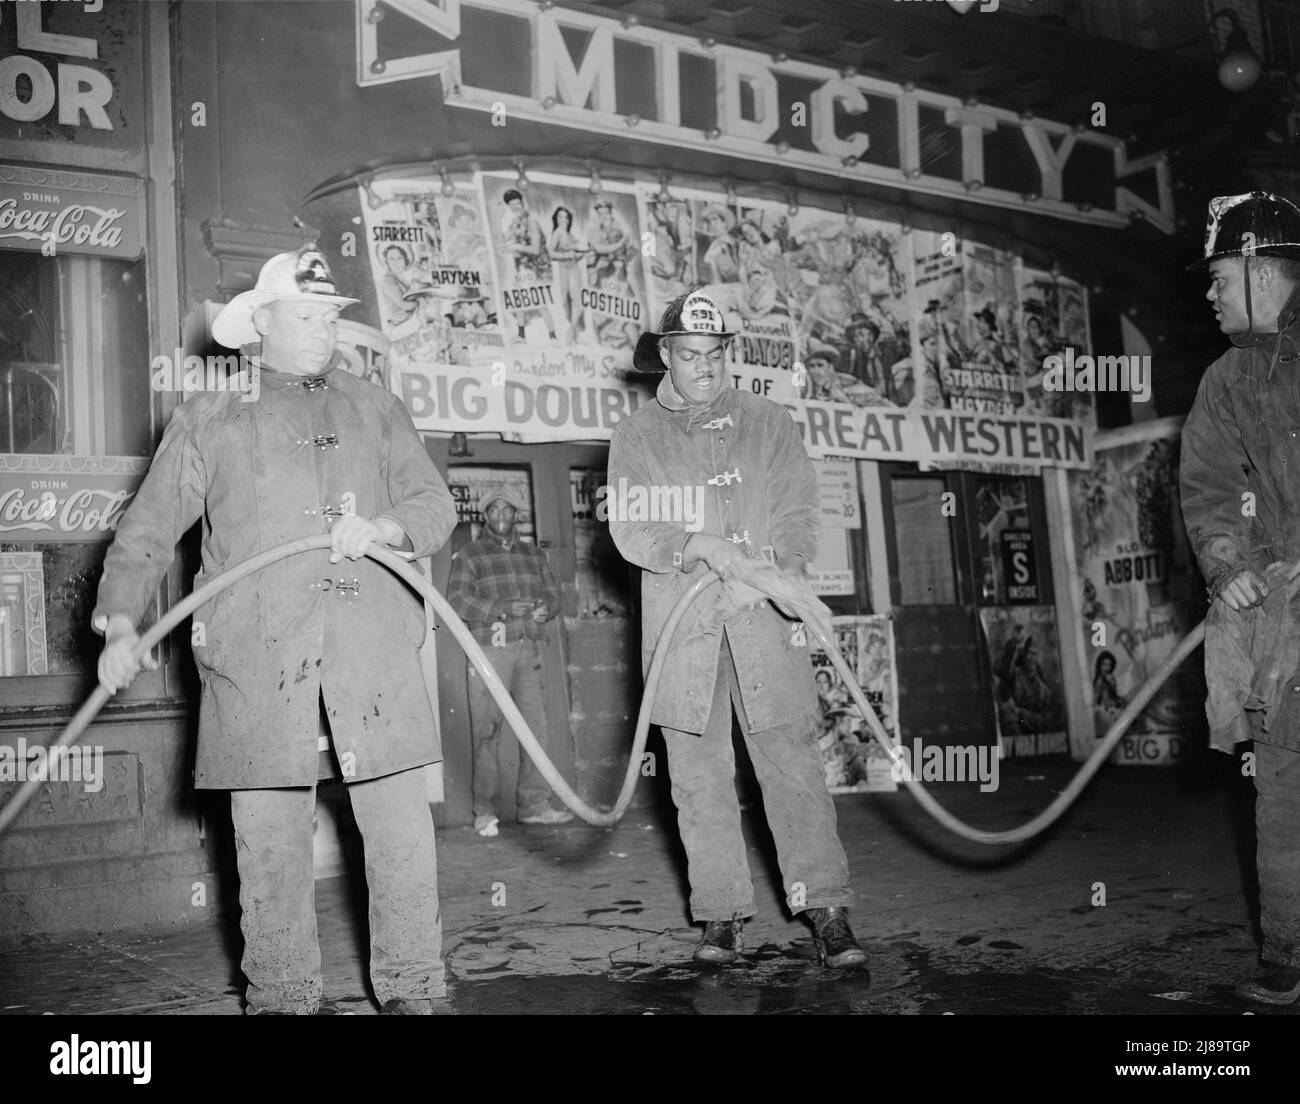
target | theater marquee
x=654, y=85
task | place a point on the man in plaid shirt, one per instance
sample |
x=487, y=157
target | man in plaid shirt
x=504, y=591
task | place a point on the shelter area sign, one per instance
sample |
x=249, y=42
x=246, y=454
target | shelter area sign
x=589, y=71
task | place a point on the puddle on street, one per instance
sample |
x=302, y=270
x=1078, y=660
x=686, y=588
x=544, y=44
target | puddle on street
x=768, y=981
x=774, y=980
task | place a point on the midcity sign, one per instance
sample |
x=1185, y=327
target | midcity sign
x=752, y=101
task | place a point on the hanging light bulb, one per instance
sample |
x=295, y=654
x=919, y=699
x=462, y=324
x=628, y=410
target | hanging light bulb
x=850, y=215
x=596, y=183
x=448, y=188
x=791, y=203
x=368, y=183
x=1240, y=67
x=521, y=181
x=664, y=196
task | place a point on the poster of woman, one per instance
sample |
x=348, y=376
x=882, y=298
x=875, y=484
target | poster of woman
x=854, y=761
x=1138, y=590
x=430, y=263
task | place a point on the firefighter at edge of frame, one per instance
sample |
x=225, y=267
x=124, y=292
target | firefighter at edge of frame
x=304, y=675
x=744, y=454
x=1242, y=512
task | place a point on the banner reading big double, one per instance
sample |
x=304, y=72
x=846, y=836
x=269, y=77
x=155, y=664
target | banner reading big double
x=510, y=310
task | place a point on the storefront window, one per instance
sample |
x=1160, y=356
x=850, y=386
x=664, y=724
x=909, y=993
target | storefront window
x=75, y=429
x=601, y=572
x=74, y=356
x=927, y=573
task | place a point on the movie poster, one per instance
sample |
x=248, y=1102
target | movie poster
x=735, y=253
x=939, y=305
x=814, y=288
x=968, y=349
x=569, y=264
x=1139, y=590
x=429, y=259
x=1053, y=318
x=508, y=312
x=1025, y=657
x=852, y=280
x=966, y=352
x=853, y=759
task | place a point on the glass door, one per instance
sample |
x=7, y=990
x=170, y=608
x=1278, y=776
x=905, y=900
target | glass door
x=945, y=694
x=526, y=470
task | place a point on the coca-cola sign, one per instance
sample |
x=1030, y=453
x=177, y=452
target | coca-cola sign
x=65, y=498
x=56, y=212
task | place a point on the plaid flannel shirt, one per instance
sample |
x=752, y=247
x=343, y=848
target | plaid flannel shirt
x=486, y=575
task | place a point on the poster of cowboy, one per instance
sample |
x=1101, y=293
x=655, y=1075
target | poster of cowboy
x=699, y=238
x=1025, y=656
x=854, y=761
x=1138, y=590
x=1053, y=318
x=801, y=286
x=967, y=355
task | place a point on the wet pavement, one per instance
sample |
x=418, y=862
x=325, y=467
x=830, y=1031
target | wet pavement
x=576, y=920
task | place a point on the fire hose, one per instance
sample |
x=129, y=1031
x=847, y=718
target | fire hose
x=795, y=599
